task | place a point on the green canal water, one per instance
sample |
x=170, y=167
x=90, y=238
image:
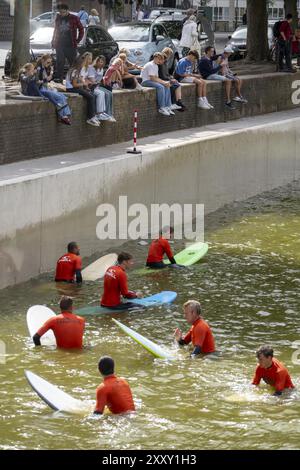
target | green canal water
x=248, y=285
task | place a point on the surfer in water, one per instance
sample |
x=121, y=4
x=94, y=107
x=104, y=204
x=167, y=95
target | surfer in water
x=271, y=371
x=67, y=327
x=159, y=248
x=115, y=285
x=68, y=267
x=200, y=333
x=114, y=392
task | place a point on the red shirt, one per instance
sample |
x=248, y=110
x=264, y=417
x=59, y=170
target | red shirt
x=201, y=335
x=67, y=328
x=66, y=267
x=157, y=250
x=286, y=28
x=115, y=285
x=277, y=375
x=114, y=393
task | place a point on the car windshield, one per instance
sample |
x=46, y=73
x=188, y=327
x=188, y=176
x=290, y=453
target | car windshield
x=240, y=34
x=42, y=36
x=130, y=33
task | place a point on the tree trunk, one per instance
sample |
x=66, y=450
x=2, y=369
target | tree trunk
x=20, y=45
x=257, y=37
x=290, y=6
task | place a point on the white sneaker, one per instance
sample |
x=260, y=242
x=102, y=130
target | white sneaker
x=202, y=104
x=102, y=117
x=139, y=87
x=93, y=122
x=164, y=111
x=238, y=99
x=170, y=111
x=175, y=106
x=111, y=119
x=208, y=104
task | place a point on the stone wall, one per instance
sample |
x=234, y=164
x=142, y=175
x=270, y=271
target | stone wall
x=30, y=129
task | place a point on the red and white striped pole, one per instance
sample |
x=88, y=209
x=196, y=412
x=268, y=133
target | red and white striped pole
x=134, y=135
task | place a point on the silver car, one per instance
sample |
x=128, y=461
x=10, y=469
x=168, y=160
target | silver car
x=142, y=39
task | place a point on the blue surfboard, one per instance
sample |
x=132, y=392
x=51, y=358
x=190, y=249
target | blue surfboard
x=164, y=297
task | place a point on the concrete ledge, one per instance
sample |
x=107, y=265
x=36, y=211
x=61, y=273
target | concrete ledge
x=46, y=202
x=30, y=130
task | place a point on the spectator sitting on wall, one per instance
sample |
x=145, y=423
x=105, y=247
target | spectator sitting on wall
x=113, y=77
x=284, y=42
x=163, y=73
x=76, y=84
x=130, y=65
x=44, y=76
x=151, y=79
x=129, y=80
x=95, y=75
x=226, y=72
x=68, y=32
x=184, y=74
x=209, y=71
x=94, y=17
x=86, y=75
x=83, y=16
x=32, y=85
x=188, y=35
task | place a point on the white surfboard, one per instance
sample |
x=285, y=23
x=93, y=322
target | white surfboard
x=56, y=398
x=98, y=268
x=149, y=345
x=36, y=317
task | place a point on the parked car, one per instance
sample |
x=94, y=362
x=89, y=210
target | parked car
x=238, y=41
x=95, y=40
x=174, y=12
x=45, y=19
x=142, y=39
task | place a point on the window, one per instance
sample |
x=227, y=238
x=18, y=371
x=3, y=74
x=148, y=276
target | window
x=220, y=13
x=91, y=36
x=101, y=35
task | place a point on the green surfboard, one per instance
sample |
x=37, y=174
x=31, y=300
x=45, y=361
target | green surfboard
x=190, y=255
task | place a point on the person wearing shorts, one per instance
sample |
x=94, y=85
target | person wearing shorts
x=226, y=72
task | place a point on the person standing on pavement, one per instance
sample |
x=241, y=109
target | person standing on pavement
x=68, y=32
x=83, y=16
x=188, y=35
x=285, y=41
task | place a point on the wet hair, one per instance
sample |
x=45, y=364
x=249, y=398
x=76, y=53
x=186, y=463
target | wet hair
x=72, y=246
x=62, y=6
x=106, y=365
x=266, y=351
x=193, y=53
x=289, y=16
x=124, y=257
x=194, y=305
x=65, y=303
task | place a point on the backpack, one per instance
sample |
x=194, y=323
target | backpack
x=276, y=27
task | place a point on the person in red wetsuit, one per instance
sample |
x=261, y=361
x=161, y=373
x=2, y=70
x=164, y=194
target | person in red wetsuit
x=159, y=248
x=271, y=371
x=115, y=285
x=114, y=392
x=200, y=333
x=68, y=267
x=67, y=327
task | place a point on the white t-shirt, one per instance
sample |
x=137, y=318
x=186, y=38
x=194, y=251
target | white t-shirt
x=150, y=69
x=140, y=15
x=93, y=20
x=96, y=74
x=71, y=75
